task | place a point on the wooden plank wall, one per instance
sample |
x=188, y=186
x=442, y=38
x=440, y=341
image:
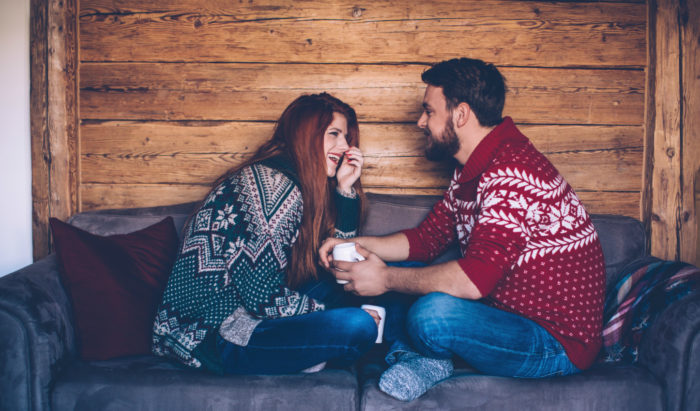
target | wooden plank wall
x=174, y=92
x=139, y=105
x=674, y=130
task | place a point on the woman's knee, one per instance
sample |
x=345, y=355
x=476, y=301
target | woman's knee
x=358, y=326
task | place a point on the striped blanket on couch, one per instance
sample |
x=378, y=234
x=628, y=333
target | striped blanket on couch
x=644, y=289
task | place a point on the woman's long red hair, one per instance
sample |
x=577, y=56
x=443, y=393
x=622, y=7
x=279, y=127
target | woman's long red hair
x=299, y=134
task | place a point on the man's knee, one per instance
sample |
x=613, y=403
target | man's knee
x=430, y=305
x=425, y=324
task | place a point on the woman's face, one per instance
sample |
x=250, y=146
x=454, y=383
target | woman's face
x=335, y=143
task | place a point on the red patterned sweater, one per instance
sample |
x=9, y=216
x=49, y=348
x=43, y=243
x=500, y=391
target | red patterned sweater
x=527, y=243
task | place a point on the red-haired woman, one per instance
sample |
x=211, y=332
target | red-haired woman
x=244, y=295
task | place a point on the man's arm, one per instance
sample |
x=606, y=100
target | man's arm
x=373, y=277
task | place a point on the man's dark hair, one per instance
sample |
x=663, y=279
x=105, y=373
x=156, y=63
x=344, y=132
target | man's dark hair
x=471, y=81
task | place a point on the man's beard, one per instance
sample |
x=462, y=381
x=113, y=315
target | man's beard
x=444, y=148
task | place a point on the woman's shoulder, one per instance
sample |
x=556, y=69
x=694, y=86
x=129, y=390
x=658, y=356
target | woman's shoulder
x=267, y=177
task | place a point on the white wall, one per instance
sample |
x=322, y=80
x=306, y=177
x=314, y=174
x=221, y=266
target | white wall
x=15, y=155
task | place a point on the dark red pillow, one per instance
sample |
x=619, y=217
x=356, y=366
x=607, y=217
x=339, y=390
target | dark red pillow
x=115, y=284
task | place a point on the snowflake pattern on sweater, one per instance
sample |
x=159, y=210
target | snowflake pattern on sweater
x=232, y=261
x=527, y=242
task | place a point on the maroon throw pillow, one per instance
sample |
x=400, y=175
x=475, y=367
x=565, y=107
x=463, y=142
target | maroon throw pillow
x=115, y=284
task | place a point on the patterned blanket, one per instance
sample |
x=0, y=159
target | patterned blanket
x=645, y=288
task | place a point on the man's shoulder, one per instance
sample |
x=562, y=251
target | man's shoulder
x=524, y=169
x=521, y=156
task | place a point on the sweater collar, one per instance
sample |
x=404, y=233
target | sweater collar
x=484, y=152
x=283, y=163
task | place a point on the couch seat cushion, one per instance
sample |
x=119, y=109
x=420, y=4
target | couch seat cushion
x=153, y=383
x=603, y=387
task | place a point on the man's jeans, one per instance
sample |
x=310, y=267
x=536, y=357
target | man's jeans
x=493, y=341
x=291, y=344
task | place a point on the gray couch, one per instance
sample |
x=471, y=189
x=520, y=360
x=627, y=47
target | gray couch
x=39, y=369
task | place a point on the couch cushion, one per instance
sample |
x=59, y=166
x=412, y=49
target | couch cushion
x=115, y=283
x=122, y=221
x=623, y=240
x=152, y=383
x=387, y=214
x=600, y=388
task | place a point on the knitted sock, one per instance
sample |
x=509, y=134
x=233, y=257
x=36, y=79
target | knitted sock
x=413, y=375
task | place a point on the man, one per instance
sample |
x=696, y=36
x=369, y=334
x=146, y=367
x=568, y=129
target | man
x=526, y=297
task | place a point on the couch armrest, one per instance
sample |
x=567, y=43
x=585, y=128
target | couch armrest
x=670, y=349
x=36, y=325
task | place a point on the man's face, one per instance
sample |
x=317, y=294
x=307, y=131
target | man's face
x=436, y=121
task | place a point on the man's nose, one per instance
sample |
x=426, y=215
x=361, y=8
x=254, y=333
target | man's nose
x=422, y=120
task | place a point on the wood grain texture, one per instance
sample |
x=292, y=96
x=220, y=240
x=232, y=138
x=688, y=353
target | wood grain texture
x=530, y=33
x=174, y=93
x=107, y=196
x=603, y=170
x=63, y=107
x=392, y=139
x=382, y=93
x=666, y=176
x=54, y=121
x=690, y=52
x=41, y=237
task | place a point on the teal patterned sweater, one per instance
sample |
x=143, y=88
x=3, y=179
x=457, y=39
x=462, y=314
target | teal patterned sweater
x=230, y=271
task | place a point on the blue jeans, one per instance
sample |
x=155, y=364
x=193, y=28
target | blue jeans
x=493, y=341
x=291, y=344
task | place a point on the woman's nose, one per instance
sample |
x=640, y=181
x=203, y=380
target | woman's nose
x=342, y=144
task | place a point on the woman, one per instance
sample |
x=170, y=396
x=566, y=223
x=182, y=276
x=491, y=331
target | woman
x=243, y=295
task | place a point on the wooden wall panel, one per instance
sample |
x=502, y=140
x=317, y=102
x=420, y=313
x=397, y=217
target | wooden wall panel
x=529, y=33
x=673, y=142
x=689, y=237
x=54, y=116
x=174, y=93
x=139, y=138
x=145, y=195
x=378, y=93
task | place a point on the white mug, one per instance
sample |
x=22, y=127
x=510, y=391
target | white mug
x=346, y=252
x=382, y=315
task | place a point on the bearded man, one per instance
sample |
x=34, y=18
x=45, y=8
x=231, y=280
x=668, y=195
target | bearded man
x=526, y=297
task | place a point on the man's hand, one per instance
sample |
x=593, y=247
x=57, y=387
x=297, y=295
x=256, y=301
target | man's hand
x=325, y=251
x=366, y=278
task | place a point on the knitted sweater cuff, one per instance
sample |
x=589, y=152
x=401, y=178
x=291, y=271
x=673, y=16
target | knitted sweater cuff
x=348, y=214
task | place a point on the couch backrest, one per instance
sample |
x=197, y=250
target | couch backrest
x=623, y=238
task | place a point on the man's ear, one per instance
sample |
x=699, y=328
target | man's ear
x=461, y=114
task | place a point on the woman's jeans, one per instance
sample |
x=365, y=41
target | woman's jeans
x=493, y=341
x=292, y=344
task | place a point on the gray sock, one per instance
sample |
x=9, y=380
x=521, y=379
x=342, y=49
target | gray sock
x=413, y=375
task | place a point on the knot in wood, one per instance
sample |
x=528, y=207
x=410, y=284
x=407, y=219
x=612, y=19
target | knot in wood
x=670, y=152
x=357, y=12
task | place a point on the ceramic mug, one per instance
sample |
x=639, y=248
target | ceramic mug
x=346, y=252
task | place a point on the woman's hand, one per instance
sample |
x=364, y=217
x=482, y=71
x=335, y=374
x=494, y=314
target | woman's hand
x=375, y=315
x=350, y=169
x=325, y=251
